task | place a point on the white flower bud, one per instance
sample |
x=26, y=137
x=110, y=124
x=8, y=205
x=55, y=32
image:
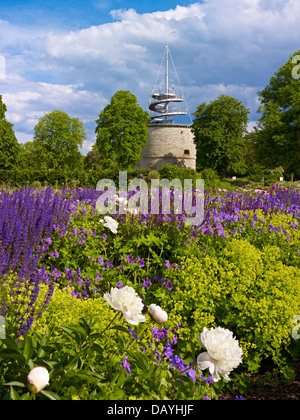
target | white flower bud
x=37, y=379
x=159, y=315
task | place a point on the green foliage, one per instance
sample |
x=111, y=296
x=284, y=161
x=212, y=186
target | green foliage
x=84, y=359
x=247, y=290
x=248, y=284
x=176, y=172
x=9, y=146
x=92, y=160
x=272, y=176
x=57, y=139
x=122, y=131
x=64, y=309
x=61, y=177
x=153, y=175
x=36, y=184
x=277, y=136
x=210, y=177
x=17, y=296
x=219, y=128
x=103, y=262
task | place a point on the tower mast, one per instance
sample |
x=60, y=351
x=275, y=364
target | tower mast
x=167, y=79
x=160, y=101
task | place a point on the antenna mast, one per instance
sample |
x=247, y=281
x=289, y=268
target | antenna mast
x=167, y=78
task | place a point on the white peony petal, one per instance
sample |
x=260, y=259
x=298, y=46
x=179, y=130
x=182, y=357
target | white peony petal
x=110, y=223
x=37, y=379
x=223, y=352
x=206, y=362
x=128, y=302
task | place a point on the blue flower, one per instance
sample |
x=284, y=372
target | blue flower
x=126, y=365
x=146, y=283
x=136, y=337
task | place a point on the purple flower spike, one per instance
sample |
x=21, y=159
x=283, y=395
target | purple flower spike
x=126, y=365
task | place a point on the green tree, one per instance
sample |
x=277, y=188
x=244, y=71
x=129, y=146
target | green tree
x=57, y=139
x=219, y=128
x=92, y=160
x=9, y=146
x=277, y=138
x=29, y=156
x=122, y=131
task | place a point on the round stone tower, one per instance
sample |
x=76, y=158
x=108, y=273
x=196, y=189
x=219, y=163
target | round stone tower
x=168, y=143
x=171, y=144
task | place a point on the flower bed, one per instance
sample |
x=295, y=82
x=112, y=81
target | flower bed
x=132, y=306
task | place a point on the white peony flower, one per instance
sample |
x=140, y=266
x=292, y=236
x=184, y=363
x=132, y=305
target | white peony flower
x=110, y=223
x=158, y=314
x=223, y=352
x=128, y=302
x=37, y=379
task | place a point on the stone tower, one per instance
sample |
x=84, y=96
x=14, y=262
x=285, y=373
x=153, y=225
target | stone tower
x=169, y=143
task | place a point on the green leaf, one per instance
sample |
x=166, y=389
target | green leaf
x=120, y=328
x=97, y=348
x=86, y=326
x=11, y=344
x=12, y=355
x=28, y=348
x=15, y=383
x=25, y=397
x=140, y=360
x=51, y=395
x=44, y=343
x=13, y=394
x=76, y=332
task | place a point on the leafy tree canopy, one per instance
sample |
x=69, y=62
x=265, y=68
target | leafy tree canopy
x=122, y=131
x=219, y=128
x=277, y=138
x=9, y=146
x=57, y=139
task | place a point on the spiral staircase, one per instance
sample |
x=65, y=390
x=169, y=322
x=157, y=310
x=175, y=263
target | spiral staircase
x=161, y=103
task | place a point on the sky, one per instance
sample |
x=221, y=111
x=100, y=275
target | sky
x=74, y=55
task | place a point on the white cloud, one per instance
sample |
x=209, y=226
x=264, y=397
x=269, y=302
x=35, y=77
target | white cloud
x=28, y=101
x=219, y=47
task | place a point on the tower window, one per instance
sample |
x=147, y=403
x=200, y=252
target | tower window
x=187, y=152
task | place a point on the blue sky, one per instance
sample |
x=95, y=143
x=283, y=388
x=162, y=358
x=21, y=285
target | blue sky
x=74, y=55
x=75, y=13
